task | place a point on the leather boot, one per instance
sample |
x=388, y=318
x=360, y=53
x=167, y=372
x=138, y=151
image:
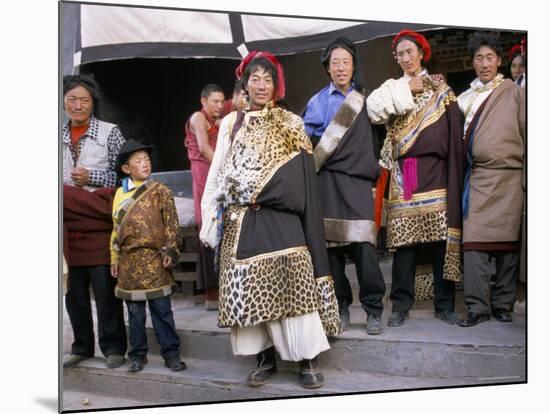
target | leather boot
x=310, y=376
x=266, y=368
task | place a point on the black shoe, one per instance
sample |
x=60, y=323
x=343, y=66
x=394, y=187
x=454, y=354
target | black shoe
x=175, y=364
x=344, y=316
x=137, y=364
x=374, y=325
x=310, y=376
x=397, y=319
x=502, y=315
x=266, y=368
x=447, y=316
x=473, y=319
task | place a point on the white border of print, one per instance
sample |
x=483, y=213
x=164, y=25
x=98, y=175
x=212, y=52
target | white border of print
x=30, y=208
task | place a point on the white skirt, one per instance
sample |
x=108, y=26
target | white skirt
x=295, y=338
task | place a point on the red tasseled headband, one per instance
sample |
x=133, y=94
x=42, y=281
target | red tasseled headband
x=515, y=50
x=280, y=92
x=523, y=46
x=421, y=40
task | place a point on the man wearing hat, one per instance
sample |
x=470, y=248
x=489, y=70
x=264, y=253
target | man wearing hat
x=347, y=166
x=90, y=148
x=144, y=249
x=423, y=161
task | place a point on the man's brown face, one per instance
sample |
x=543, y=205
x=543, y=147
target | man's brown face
x=213, y=105
x=409, y=57
x=340, y=68
x=79, y=105
x=261, y=88
x=486, y=63
x=517, y=67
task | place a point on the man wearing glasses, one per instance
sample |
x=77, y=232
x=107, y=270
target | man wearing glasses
x=346, y=161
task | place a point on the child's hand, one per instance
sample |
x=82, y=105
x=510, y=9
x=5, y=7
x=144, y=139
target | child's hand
x=114, y=270
x=167, y=261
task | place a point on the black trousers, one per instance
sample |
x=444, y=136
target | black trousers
x=207, y=277
x=110, y=315
x=404, y=272
x=371, y=281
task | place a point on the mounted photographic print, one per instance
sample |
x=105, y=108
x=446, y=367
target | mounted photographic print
x=262, y=207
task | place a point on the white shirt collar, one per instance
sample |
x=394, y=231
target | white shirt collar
x=424, y=72
x=131, y=185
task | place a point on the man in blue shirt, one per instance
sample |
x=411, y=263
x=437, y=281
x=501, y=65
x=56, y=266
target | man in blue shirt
x=323, y=106
x=347, y=167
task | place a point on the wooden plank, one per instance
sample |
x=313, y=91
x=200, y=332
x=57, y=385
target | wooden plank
x=188, y=257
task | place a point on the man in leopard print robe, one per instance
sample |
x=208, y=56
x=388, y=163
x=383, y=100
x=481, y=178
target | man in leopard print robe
x=276, y=292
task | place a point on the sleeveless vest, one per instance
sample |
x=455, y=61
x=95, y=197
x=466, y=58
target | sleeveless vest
x=94, y=154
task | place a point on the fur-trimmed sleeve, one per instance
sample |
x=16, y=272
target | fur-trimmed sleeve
x=209, y=203
x=394, y=97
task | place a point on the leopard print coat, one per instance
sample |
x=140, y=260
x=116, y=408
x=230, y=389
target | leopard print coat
x=280, y=283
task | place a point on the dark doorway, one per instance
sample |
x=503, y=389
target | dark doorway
x=460, y=81
x=151, y=99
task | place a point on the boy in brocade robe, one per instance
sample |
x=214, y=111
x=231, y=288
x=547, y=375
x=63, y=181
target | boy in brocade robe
x=143, y=251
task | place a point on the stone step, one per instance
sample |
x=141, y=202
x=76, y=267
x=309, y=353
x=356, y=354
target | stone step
x=83, y=400
x=218, y=381
x=423, y=346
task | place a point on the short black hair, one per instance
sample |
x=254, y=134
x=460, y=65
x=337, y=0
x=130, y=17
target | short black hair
x=480, y=39
x=410, y=39
x=282, y=103
x=266, y=65
x=87, y=82
x=209, y=89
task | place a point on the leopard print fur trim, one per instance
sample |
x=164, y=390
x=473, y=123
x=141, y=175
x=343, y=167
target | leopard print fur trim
x=452, y=270
x=267, y=140
x=266, y=288
x=328, y=306
x=423, y=283
x=422, y=228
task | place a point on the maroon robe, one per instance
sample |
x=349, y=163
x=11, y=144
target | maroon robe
x=199, y=164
